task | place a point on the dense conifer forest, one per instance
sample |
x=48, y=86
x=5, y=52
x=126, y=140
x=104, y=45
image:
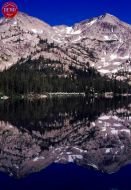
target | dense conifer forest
x=41, y=77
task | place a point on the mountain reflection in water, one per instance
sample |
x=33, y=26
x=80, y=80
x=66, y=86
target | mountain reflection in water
x=93, y=133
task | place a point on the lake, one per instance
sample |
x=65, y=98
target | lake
x=65, y=143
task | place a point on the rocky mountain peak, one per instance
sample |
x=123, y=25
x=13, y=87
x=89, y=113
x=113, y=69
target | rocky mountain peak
x=104, y=42
x=25, y=23
x=108, y=17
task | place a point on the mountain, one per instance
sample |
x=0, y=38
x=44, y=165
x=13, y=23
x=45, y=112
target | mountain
x=103, y=42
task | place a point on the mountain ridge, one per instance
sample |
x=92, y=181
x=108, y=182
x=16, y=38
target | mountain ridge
x=102, y=42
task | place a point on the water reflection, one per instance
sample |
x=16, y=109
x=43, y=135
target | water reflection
x=91, y=133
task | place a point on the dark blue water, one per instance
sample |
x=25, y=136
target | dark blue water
x=69, y=177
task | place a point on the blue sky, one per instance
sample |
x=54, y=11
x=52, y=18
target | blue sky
x=56, y=12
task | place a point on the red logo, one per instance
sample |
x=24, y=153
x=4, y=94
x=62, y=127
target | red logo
x=9, y=9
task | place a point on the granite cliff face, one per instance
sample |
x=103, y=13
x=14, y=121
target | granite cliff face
x=103, y=42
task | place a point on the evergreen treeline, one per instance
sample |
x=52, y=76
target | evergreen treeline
x=39, y=77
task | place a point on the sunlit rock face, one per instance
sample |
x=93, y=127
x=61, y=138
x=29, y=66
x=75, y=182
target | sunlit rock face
x=102, y=42
x=29, y=145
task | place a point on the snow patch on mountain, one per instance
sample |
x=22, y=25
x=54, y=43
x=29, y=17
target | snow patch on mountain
x=91, y=22
x=113, y=56
x=76, y=39
x=107, y=38
x=69, y=30
x=104, y=71
x=36, y=31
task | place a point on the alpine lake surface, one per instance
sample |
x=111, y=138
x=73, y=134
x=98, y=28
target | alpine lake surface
x=65, y=144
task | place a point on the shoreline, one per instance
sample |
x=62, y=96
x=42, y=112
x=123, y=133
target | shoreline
x=33, y=96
